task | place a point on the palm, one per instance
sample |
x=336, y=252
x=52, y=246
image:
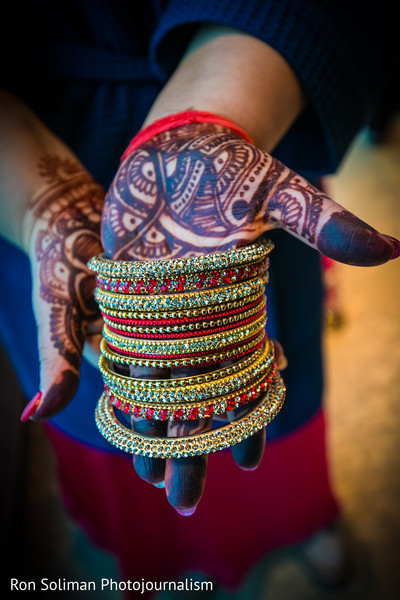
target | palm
x=199, y=189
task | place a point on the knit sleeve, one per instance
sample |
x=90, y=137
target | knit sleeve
x=342, y=53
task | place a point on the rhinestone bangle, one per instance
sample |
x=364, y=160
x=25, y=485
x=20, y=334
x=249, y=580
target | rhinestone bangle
x=184, y=411
x=202, y=443
x=255, y=252
x=180, y=283
x=167, y=384
x=208, y=343
x=237, y=291
x=174, y=363
x=189, y=327
x=212, y=311
x=192, y=389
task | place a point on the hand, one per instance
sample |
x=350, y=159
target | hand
x=199, y=189
x=62, y=225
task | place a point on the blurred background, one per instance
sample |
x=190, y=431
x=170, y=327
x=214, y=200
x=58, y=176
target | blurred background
x=362, y=343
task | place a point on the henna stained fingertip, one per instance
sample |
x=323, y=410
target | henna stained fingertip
x=396, y=244
x=349, y=240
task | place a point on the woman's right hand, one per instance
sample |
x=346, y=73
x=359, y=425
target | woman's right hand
x=197, y=189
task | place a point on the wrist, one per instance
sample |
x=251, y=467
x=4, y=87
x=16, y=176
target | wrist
x=239, y=77
x=173, y=121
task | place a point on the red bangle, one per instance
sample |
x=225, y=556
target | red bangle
x=183, y=118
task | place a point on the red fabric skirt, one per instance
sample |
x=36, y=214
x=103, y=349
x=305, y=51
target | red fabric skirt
x=241, y=517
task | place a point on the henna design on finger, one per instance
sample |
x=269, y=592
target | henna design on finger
x=297, y=207
x=66, y=233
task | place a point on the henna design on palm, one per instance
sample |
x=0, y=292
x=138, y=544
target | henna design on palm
x=199, y=188
x=174, y=196
x=67, y=214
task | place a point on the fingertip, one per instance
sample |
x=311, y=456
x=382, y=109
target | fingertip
x=347, y=239
x=282, y=363
x=396, y=244
x=248, y=453
x=58, y=396
x=280, y=358
x=245, y=468
x=187, y=513
x=184, y=481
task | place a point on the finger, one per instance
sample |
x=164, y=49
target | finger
x=280, y=358
x=149, y=469
x=248, y=453
x=312, y=216
x=185, y=477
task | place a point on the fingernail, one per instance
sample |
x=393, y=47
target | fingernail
x=395, y=242
x=31, y=407
x=161, y=484
x=186, y=513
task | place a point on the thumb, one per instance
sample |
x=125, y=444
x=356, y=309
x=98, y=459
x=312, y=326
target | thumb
x=312, y=216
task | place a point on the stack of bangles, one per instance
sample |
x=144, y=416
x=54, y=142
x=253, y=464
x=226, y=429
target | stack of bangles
x=184, y=313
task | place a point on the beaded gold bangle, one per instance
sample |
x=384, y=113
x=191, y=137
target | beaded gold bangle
x=184, y=411
x=209, y=343
x=159, y=385
x=204, y=311
x=195, y=361
x=173, y=302
x=198, y=326
x=192, y=389
x=180, y=283
x=255, y=252
x=202, y=443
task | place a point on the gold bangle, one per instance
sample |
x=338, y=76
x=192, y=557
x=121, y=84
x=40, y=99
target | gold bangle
x=166, y=384
x=202, y=443
x=186, y=411
x=174, y=302
x=117, y=269
x=187, y=388
x=174, y=363
x=199, y=326
x=207, y=343
x=182, y=313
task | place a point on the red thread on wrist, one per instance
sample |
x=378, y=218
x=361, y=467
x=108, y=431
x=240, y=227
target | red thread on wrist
x=183, y=118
